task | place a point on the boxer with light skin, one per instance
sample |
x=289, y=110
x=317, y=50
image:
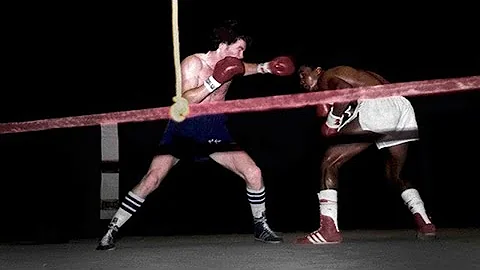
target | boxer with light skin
x=377, y=117
x=206, y=77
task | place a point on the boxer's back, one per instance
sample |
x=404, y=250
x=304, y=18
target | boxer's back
x=354, y=77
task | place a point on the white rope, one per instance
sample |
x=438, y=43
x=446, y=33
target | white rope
x=179, y=109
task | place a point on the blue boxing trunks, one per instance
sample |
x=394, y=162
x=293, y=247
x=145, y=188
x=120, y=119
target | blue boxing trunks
x=196, y=137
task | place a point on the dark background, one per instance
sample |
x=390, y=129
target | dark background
x=83, y=58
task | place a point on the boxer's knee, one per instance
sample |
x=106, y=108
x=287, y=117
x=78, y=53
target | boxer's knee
x=331, y=163
x=253, y=177
x=153, y=178
x=150, y=181
x=393, y=172
x=156, y=173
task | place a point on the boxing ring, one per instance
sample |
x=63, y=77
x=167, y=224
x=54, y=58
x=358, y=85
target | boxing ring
x=456, y=249
x=366, y=249
x=395, y=249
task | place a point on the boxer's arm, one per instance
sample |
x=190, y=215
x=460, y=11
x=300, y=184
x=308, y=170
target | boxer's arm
x=280, y=66
x=250, y=68
x=336, y=115
x=340, y=107
x=336, y=83
x=191, y=67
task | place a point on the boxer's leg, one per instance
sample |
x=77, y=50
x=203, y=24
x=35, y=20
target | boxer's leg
x=394, y=166
x=242, y=164
x=333, y=160
x=409, y=194
x=132, y=202
x=339, y=154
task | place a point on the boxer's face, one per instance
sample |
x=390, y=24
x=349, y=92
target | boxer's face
x=309, y=77
x=235, y=49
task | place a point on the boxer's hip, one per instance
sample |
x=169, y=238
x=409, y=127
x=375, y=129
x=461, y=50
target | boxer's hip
x=209, y=129
x=386, y=114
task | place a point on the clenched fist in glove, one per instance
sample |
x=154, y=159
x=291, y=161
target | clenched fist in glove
x=224, y=71
x=331, y=125
x=280, y=66
x=334, y=123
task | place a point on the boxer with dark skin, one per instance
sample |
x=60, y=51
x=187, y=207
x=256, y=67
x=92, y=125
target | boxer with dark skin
x=379, y=117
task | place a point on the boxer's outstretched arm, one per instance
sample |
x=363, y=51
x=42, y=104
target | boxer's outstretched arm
x=250, y=68
x=191, y=67
x=279, y=66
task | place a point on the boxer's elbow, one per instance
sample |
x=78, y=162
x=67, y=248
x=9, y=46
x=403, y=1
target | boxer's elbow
x=189, y=96
x=192, y=96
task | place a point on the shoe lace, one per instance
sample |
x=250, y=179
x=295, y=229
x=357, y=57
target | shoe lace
x=113, y=228
x=266, y=231
x=108, y=237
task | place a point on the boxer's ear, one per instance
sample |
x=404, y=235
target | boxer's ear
x=222, y=46
x=301, y=70
x=318, y=70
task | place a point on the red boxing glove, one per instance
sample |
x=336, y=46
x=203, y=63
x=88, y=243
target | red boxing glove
x=327, y=131
x=280, y=66
x=224, y=71
x=323, y=109
x=332, y=124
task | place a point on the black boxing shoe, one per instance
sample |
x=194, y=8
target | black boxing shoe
x=108, y=240
x=263, y=233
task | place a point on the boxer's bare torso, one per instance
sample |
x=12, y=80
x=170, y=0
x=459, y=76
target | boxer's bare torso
x=203, y=68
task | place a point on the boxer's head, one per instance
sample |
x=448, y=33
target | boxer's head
x=230, y=40
x=309, y=77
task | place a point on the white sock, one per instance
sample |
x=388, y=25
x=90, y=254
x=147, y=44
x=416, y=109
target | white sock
x=129, y=206
x=328, y=204
x=256, y=198
x=412, y=200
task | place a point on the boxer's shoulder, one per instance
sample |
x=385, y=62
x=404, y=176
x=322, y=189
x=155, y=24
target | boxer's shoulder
x=194, y=59
x=193, y=63
x=338, y=72
x=341, y=70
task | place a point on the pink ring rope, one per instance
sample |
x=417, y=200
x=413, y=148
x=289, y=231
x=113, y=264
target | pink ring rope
x=415, y=88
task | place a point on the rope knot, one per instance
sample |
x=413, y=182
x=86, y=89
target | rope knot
x=179, y=110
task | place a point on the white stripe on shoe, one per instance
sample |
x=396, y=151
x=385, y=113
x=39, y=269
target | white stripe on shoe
x=316, y=238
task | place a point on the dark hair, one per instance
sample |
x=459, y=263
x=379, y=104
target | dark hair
x=229, y=31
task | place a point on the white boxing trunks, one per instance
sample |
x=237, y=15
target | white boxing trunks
x=386, y=116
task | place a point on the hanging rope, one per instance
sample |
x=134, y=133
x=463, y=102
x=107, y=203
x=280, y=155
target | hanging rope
x=179, y=110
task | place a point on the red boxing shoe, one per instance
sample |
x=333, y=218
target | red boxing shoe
x=326, y=234
x=424, y=230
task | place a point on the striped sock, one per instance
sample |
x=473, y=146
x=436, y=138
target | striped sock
x=256, y=198
x=129, y=206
